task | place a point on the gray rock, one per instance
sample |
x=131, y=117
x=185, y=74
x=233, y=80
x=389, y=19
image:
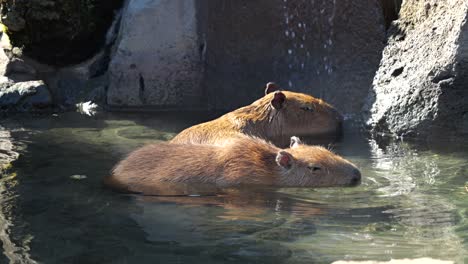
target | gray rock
x=4, y=60
x=221, y=53
x=7, y=153
x=58, y=32
x=421, y=85
x=157, y=60
x=25, y=96
x=330, y=49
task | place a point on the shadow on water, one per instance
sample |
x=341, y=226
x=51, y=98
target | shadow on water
x=411, y=204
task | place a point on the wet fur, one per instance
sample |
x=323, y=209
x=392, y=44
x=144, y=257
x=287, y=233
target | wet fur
x=261, y=119
x=175, y=168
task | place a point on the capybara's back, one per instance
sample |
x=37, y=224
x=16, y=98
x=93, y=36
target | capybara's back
x=275, y=117
x=240, y=161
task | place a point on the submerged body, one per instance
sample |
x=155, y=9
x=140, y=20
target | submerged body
x=275, y=117
x=241, y=161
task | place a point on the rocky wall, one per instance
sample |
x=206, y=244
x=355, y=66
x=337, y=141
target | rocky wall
x=219, y=53
x=421, y=87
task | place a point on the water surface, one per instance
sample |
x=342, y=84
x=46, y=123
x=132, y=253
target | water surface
x=412, y=202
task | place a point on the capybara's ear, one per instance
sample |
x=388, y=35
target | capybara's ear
x=284, y=159
x=271, y=87
x=295, y=141
x=278, y=100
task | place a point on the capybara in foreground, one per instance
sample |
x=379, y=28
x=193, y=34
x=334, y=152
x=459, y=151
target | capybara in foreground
x=275, y=117
x=240, y=161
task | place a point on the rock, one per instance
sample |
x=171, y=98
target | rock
x=220, y=54
x=329, y=49
x=58, y=32
x=4, y=60
x=7, y=153
x=157, y=60
x=12, y=66
x=25, y=96
x=420, y=87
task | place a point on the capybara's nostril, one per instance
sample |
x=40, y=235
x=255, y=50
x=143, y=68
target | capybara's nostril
x=356, y=178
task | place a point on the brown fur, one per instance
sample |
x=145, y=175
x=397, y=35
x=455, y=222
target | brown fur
x=261, y=119
x=174, y=169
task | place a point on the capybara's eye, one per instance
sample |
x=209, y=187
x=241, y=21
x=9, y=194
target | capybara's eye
x=314, y=168
x=307, y=108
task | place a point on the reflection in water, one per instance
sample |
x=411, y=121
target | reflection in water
x=16, y=251
x=412, y=203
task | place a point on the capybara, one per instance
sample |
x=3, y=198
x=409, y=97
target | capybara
x=239, y=161
x=275, y=117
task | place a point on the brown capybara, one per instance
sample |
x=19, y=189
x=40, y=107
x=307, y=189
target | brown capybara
x=239, y=161
x=275, y=117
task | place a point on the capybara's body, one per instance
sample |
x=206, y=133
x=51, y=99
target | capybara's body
x=239, y=161
x=275, y=117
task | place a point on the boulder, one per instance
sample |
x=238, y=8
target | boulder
x=157, y=61
x=421, y=86
x=24, y=96
x=329, y=49
x=58, y=32
x=220, y=54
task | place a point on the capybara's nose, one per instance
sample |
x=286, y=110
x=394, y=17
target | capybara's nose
x=356, y=178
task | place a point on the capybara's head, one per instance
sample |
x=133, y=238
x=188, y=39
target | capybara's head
x=314, y=166
x=301, y=114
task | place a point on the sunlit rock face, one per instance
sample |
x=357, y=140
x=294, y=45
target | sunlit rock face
x=157, y=61
x=421, y=85
x=220, y=53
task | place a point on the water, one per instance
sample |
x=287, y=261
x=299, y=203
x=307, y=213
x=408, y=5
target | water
x=412, y=203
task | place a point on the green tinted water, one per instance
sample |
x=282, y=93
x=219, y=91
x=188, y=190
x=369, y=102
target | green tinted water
x=412, y=203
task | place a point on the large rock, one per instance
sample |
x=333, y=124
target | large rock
x=220, y=53
x=58, y=32
x=157, y=61
x=421, y=85
x=330, y=49
x=24, y=96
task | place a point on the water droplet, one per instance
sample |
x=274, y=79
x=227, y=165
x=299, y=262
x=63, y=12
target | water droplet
x=302, y=46
x=289, y=51
x=286, y=33
x=302, y=65
x=293, y=34
x=290, y=84
x=299, y=25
